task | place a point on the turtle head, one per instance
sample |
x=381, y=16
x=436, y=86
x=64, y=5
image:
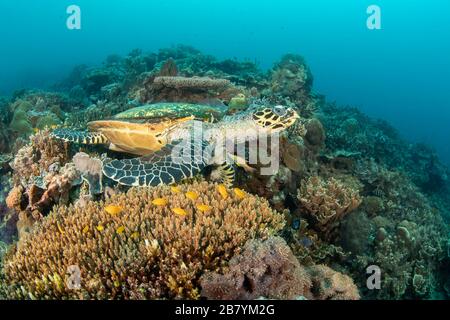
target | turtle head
x=275, y=119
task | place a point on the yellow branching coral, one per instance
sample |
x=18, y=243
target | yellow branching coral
x=144, y=251
x=327, y=201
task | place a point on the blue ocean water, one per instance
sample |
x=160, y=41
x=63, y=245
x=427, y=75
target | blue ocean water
x=399, y=73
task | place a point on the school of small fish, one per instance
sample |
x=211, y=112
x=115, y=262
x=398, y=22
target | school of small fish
x=159, y=202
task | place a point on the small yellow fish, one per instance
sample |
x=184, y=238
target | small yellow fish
x=59, y=228
x=160, y=202
x=175, y=189
x=135, y=235
x=100, y=228
x=239, y=193
x=179, y=211
x=86, y=229
x=222, y=190
x=116, y=283
x=203, y=207
x=36, y=130
x=120, y=229
x=113, y=210
x=192, y=195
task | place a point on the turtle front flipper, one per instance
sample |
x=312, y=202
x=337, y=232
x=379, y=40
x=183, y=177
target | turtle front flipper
x=225, y=173
x=173, y=163
x=80, y=137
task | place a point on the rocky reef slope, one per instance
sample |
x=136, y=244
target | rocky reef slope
x=349, y=193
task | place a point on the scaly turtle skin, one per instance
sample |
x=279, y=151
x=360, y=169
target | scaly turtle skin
x=139, y=130
x=189, y=151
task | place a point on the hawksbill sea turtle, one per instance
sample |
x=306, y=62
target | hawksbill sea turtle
x=173, y=144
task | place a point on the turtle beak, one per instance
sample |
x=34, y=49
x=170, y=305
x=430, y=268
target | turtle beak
x=291, y=117
x=295, y=114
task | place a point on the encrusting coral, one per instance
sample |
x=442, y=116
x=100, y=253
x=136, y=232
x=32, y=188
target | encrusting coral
x=186, y=89
x=33, y=111
x=263, y=269
x=328, y=284
x=41, y=178
x=146, y=243
x=39, y=155
x=269, y=269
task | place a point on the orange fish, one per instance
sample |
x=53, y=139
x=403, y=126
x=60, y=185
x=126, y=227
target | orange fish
x=203, y=207
x=113, y=209
x=239, y=193
x=179, y=211
x=160, y=202
x=192, y=195
x=222, y=190
x=59, y=228
x=135, y=235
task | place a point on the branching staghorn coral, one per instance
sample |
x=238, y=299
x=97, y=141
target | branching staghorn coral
x=327, y=201
x=269, y=269
x=147, y=243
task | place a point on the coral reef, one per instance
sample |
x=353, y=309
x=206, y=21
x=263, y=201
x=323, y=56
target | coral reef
x=263, y=269
x=353, y=193
x=40, y=155
x=238, y=103
x=184, y=89
x=328, y=284
x=327, y=201
x=4, y=138
x=291, y=78
x=290, y=84
x=42, y=176
x=35, y=110
x=144, y=249
x=269, y=269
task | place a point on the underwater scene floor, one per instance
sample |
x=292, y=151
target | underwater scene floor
x=107, y=192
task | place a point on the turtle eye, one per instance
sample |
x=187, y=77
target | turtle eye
x=280, y=111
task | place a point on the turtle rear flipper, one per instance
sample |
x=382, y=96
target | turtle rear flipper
x=173, y=163
x=80, y=137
